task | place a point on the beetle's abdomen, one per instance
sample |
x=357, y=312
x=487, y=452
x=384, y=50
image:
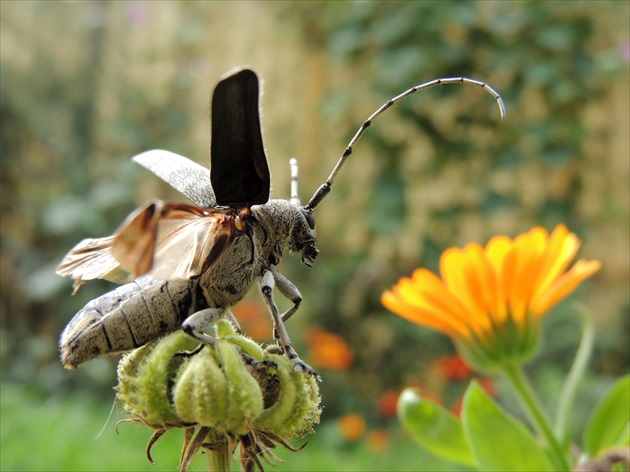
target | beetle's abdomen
x=126, y=318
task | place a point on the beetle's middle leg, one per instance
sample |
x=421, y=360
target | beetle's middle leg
x=267, y=284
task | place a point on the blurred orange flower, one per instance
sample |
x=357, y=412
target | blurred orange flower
x=388, y=402
x=352, y=426
x=488, y=385
x=328, y=350
x=452, y=367
x=456, y=408
x=378, y=440
x=490, y=300
x=254, y=320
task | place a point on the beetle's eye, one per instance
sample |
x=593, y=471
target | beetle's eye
x=310, y=218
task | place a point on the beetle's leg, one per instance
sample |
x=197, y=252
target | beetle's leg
x=213, y=319
x=289, y=290
x=207, y=317
x=230, y=316
x=195, y=323
x=267, y=284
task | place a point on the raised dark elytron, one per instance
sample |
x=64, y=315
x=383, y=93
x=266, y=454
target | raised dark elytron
x=184, y=266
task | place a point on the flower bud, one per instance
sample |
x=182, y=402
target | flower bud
x=145, y=378
x=230, y=392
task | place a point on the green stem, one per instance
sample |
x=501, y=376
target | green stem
x=536, y=414
x=565, y=403
x=218, y=461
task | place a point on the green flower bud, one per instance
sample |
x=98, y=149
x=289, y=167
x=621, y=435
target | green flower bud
x=226, y=394
x=145, y=377
x=296, y=408
x=218, y=392
x=201, y=393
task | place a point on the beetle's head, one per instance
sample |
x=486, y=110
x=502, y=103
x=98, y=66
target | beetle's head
x=303, y=235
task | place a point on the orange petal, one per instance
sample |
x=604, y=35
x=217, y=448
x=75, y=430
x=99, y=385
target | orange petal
x=523, y=262
x=435, y=320
x=482, y=278
x=433, y=292
x=426, y=292
x=455, y=269
x=496, y=252
x=562, y=248
x=564, y=286
x=474, y=285
x=461, y=281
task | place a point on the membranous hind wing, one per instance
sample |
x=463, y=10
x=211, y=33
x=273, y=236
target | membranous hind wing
x=92, y=259
x=238, y=165
x=166, y=241
x=190, y=240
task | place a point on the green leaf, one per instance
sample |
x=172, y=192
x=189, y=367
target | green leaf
x=433, y=427
x=497, y=440
x=624, y=437
x=610, y=419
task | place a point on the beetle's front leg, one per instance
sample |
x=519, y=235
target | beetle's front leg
x=289, y=290
x=267, y=284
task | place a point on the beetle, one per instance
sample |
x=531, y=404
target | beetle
x=184, y=266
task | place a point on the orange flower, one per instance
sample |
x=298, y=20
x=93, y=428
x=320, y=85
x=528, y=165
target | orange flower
x=388, y=403
x=378, y=440
x=452, y=367
x=352, y=426
x=328, y=350
x=490, y=300
x=456, y=408
x=488, y=385
x=254, y=320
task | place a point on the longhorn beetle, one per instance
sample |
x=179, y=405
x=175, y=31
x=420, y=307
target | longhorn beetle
x=184, y=266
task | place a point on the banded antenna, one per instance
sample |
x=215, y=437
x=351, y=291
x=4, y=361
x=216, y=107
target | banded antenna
x=324, y=189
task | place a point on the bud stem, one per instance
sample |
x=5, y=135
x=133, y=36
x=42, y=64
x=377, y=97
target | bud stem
x=219, y=461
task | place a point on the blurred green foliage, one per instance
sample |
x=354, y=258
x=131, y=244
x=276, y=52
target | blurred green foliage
x=86, y=85
x=99, y=447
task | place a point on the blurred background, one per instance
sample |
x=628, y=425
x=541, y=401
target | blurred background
x=86, y=85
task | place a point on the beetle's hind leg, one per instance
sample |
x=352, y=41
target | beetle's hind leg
x=195, y=323
x=267, y=284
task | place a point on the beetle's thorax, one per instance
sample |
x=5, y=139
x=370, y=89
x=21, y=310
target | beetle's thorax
x=272, y=223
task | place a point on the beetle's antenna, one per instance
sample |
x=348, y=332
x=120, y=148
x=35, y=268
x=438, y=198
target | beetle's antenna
x=295, y=197
x=324, y=189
